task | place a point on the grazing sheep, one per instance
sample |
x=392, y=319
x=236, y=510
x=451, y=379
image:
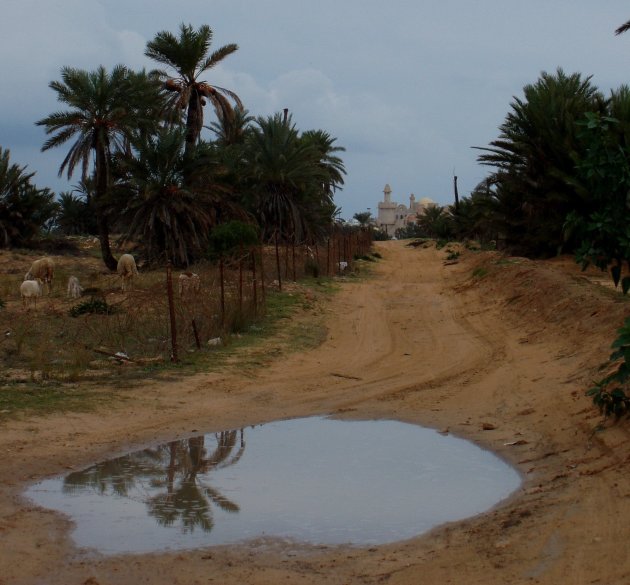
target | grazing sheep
x=42, y=269
x=189, y=282
x=30, y=290
x=126, y=270
x=75, y=290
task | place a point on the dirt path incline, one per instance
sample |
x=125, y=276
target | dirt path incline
x=497, y=351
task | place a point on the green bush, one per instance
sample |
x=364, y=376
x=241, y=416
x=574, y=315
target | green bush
x=94, y=306
x=609, y=394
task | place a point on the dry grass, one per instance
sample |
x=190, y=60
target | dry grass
x=50, y=359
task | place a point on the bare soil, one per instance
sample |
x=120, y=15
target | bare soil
x=496, y=350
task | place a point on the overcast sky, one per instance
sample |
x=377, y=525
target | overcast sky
x=406, y=87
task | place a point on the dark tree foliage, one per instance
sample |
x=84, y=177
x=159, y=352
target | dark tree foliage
x=189, y=56
x=535, y=157
x=25, y=210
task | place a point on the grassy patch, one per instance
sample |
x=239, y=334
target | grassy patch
x=479, y=272
x=45, y=398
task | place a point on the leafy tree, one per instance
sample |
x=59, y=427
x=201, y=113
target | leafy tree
x=603, y=230
x=105, y=109
x=230, y=237
x=610, y=393
x=189, y=56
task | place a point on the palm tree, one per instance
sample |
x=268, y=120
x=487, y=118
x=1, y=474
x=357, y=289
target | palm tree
x=24, y=209
x=170, y=215
x=330, y=170
x=189, y=56
x=232, y=132
x=536, y=155
x=13, y=179
x=105, y=111
x=292, y=179
x=363, y=217
x=436, y=221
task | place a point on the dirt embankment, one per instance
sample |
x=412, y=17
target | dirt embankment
x=495, y=350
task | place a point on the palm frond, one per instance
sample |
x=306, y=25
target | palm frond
x=623, y=28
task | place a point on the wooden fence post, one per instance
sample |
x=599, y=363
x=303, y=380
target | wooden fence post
x=254, y=284
x=171, y=311
x=221, y=278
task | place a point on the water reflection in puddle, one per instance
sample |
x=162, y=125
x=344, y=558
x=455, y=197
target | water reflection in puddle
x=316, y=480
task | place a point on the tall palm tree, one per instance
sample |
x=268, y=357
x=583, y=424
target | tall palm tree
x=189, y=57
x=172, y=201
x=292, y=179
x=331, y=170
x=284, y=171
x=536, y=155
x=105, y=109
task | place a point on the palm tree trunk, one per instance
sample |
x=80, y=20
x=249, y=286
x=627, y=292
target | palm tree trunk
x=262, y=274
x=194, y=122
x=100, y=172
x=103, y=236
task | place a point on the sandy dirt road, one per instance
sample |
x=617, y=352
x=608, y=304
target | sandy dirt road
x=500, y=355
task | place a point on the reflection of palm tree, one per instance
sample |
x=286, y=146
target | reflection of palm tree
x=189, y=498
x=176, y=471
x=186, y=503
x=118, y=476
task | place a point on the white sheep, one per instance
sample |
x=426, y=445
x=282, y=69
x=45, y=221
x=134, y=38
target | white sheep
x=189, y=282
x=75, y=290
x=42, y=269
x=342, y=266
x=126, y=270
x=30, y=290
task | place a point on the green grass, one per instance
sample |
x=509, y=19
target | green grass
x=48, y=397
x=479, y=272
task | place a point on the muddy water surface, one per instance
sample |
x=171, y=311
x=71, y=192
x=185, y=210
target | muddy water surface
x=316, y=480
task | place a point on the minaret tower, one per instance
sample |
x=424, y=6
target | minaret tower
x=387, y=191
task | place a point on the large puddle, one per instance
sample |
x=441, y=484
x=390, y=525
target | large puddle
x=314, y=480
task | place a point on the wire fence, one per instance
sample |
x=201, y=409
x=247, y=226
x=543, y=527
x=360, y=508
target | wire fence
x=165, y=314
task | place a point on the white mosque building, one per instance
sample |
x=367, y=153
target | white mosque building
x=392, y=216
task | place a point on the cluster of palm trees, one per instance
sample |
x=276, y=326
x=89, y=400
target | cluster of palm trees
x=560, y=175
x=136, y=138
x=24, y=208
